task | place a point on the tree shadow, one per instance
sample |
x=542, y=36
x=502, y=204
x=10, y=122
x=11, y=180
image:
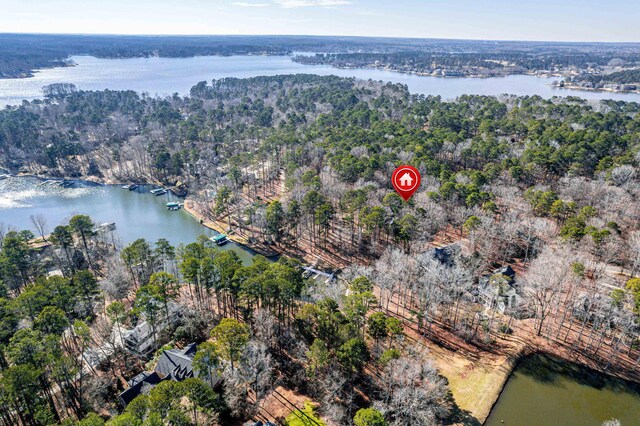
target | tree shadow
x=550, y=370
x=458, y=416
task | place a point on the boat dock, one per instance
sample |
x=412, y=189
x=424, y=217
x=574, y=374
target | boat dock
x=180, y=191
x=174, y=206
x=65, y=183
x=103, y=228
x=220, y=239
x=158, y=191
x=312, y=273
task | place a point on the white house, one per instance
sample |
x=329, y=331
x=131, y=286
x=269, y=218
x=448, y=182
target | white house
x=498, y=290
x=142, y=341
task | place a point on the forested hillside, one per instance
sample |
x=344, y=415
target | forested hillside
x=620, y=77
x=301, y=165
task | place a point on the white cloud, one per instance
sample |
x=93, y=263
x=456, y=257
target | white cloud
x=293, y=4
x=247, y=4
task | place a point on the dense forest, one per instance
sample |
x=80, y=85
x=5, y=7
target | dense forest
x=516, y=60
x=262, y=335
x=620, y=77
x=301, y=164
x=21, y=54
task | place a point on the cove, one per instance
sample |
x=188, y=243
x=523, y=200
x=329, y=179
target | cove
x=137, y=214
x=543, y=390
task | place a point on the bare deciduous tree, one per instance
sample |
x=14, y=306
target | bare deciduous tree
x=255, y=368
x=40, y=223
x=413, y=392
x=622, y=174
x=544, y=281
x=117, y=283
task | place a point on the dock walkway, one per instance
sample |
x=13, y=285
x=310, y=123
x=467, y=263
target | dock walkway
x=327, y=275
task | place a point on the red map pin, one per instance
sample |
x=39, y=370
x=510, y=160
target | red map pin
x=406, y=181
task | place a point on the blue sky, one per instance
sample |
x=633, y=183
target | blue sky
x=570, y=20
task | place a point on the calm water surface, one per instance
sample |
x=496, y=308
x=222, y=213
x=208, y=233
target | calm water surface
x=546, y=392
x=137, y=214
x=165, y=76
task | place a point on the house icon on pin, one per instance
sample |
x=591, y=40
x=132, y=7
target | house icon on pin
x=406, y=180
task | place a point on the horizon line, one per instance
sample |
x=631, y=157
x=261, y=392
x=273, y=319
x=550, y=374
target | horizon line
x=315, y=35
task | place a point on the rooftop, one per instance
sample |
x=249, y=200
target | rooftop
x=173, y=364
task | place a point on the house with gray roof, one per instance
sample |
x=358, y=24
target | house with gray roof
x=173, y=364
x=139, y=385
x=445, y=255
x=177, y=364
x=498, y=290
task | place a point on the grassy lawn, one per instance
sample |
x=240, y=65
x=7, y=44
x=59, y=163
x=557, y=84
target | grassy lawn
x=475, y=384
x=304, y=417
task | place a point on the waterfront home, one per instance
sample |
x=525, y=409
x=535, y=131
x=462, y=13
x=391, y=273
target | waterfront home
x=173, y=364
x=142, y=340
x=498, y=290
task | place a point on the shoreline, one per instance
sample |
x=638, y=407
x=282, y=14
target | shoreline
x=478, y=76
x=475, y=384
x=416, y=73
x=591, y=89
x=566, y=363
x=477, y=379
x=512, y=364
x=481, y=400
x=32, y=72
x=220, y=228
x=188, y=207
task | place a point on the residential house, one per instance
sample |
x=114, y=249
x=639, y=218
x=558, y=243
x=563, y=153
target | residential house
x=142, y=341
x=139, y=385
x=177, y=364
x=173, y=364
x=446, y=254
x=498, y=290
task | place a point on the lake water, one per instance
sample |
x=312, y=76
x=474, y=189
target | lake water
x=545, y=391
x=137, y=214
x=165, y=76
